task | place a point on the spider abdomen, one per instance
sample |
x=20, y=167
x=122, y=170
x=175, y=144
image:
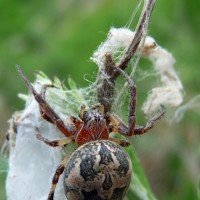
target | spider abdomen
x=98, y=170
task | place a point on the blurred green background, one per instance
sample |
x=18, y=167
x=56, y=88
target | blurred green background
x=58, y=37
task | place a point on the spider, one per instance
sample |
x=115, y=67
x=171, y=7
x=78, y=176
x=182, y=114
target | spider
x=93, y=124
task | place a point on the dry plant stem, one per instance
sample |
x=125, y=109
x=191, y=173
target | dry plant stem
x=139, y=34
x=106, y=89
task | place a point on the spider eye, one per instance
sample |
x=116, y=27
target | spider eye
x=86, y=116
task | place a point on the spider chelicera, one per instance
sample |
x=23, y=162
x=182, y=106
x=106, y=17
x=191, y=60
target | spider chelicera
x=93, y=124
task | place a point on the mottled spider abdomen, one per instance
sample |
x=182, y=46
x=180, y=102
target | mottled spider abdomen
x=98, y=170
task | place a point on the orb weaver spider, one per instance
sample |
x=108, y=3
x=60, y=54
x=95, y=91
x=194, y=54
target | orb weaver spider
x=92, y=125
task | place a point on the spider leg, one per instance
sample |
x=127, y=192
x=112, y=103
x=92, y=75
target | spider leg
x=44, y=89
x=82, y=110
x=46, y=111
x=120, y=142
x=60, y=169
x=56, y=177
x=54, y=143
x=117, y=125
x=150, y=124
x=129, y=131
x=43, y=93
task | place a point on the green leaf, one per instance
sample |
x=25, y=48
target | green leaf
x=139, y=187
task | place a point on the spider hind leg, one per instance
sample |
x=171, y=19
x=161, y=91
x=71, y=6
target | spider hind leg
x=56, y=177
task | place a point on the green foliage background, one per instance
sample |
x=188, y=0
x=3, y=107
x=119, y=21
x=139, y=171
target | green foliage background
x=58, y=37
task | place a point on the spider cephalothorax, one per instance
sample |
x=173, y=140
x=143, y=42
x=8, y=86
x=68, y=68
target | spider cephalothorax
x=93, y=125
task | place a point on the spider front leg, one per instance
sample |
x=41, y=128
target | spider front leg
x=44, y=89
x=150, y=124
x=46, y=111
x=118, y=124
x=43, y=93
x=55, y=143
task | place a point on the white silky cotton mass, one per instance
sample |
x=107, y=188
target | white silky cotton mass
x=170, y=92
x=31, y=162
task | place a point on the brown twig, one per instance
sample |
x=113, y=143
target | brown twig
x=106, y=87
